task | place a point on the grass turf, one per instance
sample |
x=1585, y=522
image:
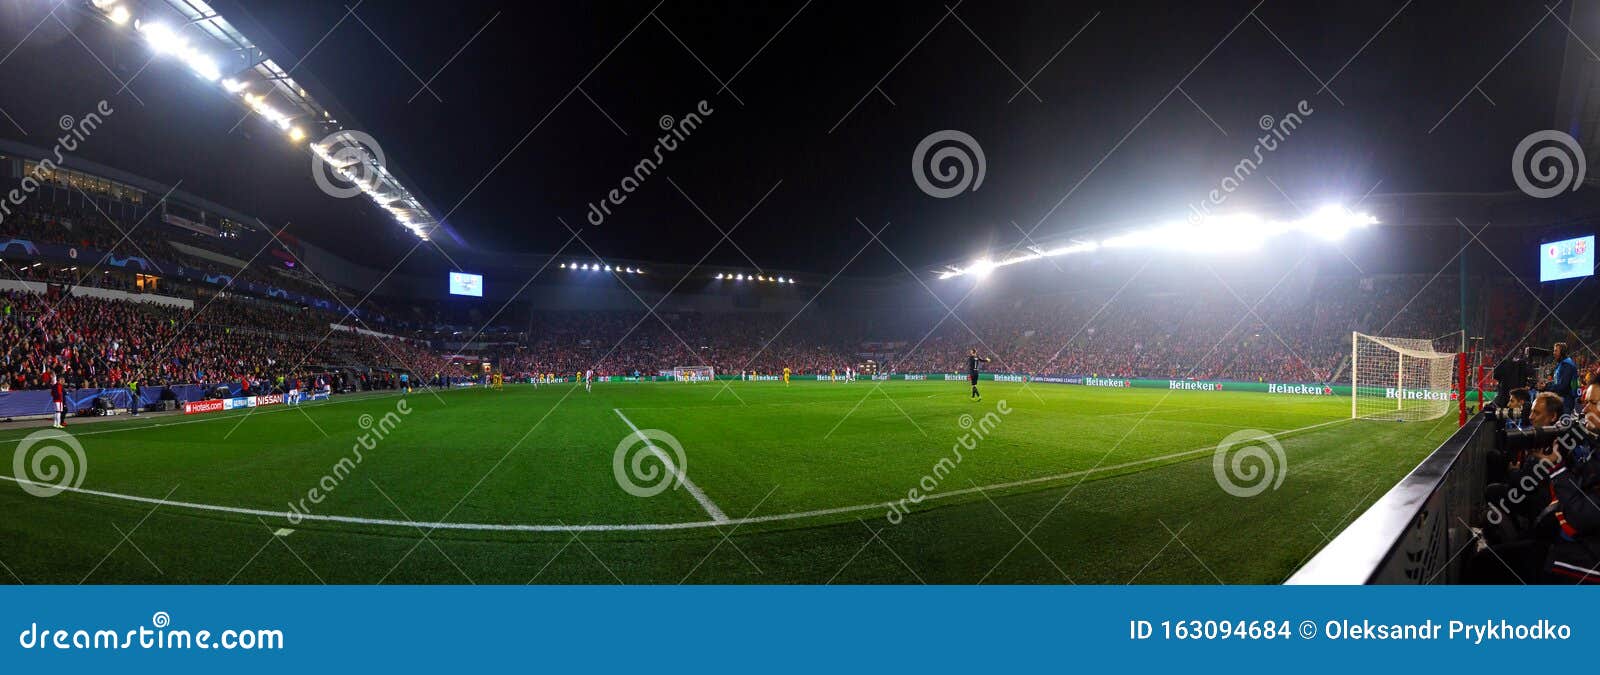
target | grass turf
x=1110, y=486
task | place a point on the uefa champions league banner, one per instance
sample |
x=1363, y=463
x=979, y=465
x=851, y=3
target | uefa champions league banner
x=38, y=402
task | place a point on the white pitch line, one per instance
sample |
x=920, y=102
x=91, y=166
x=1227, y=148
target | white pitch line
x=683, y=478
x=623, y=527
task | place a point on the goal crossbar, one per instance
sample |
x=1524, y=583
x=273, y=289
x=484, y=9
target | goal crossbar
x=1403, y=379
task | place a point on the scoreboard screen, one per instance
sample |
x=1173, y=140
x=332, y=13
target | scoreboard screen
x=462, y=283
x=1566, y=259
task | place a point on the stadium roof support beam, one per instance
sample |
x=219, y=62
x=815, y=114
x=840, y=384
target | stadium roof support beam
x=285, y=102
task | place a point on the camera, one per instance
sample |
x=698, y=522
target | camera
x=1570, y=433
x=1515, y=373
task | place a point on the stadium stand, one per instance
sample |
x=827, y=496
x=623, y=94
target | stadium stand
x=99, y=342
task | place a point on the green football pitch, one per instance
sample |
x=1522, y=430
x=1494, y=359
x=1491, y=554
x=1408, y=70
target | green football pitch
x=818, y=482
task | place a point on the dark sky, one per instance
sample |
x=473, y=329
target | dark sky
x=509, y=146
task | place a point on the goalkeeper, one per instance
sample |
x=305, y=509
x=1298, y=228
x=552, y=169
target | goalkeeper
x=972, y=371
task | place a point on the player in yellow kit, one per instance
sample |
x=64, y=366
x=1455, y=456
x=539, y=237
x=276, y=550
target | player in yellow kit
x=498, y=381
x=785, y=376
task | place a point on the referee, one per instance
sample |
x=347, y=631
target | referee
x=972, y=371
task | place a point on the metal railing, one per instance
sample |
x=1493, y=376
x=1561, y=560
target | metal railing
x=1417, y=532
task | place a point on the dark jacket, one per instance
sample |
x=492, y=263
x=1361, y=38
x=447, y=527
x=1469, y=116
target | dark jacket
x=1575, y=497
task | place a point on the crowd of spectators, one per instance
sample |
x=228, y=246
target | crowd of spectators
x=1200, y=333
x=93, y=342
x=1204, y=331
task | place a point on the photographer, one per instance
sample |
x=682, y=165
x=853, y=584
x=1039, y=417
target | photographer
x=1519, y=468
x=1564, y=378
x=1574, y=509
x=1517, y=409
x=1517, y=551
x=1512, y=415
x=1545, y=413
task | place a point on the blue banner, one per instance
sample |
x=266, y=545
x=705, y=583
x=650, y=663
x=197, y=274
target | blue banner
x=37, y=401
x=793, y=629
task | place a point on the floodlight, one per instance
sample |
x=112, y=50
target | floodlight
x=297, y=134
x=119, y=15
x=233, y=86
x=981, y=268
x=201, y=64
x=1332, y=222
x=162, y=38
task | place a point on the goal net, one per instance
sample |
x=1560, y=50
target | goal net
x=1404, y=379
x=693, y=373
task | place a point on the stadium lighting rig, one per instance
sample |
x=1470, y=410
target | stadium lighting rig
x=760, y=278
x=600, y=267
x=1234, y=233
x=196, y=35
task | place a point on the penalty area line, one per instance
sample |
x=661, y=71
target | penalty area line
x=683, y=478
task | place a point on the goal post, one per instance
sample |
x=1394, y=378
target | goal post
x=693, y=373
x=1404, y=379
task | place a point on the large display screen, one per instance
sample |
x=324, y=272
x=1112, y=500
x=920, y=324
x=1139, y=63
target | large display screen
x=1566, y=259
x=462, y=283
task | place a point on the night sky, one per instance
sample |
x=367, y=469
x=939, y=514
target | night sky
x=1146, y=109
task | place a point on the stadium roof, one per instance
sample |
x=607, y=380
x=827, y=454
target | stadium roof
x=518, y=120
